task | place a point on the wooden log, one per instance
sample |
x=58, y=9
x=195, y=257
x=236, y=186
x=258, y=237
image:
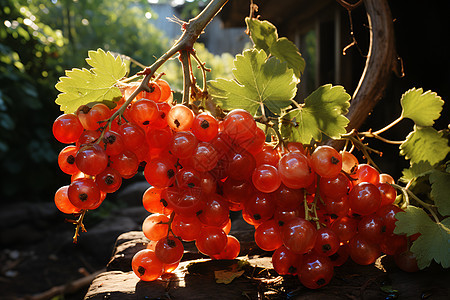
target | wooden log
x=196, y=279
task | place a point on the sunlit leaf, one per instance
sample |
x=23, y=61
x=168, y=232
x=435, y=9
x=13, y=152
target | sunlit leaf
x=323, y=113
x=83, y=86
x=422, y=108
x=286, y=51
x=258, y=81
x=416, y=170
x=262, y=33
x=425, y=144
x=265, y=37
x=434, y=240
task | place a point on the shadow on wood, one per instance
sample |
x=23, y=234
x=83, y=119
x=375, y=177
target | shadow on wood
x=195, y=278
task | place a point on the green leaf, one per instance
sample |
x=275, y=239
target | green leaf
x=434, y=239
x=259, y=81
x=286, y=51
x=422, y=108
x=425, y=144
x=412, y=221
x=323, y=113
x=422, y=168
x=83, y=86
x=440, y=191
x=262, y=33
x=265, y=37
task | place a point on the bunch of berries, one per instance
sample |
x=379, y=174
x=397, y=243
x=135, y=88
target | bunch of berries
x=314, y=208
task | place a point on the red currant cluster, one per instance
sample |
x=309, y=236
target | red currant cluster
x=103, y=153
x=314, y=209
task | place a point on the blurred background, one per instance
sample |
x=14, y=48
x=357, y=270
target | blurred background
x=39, y=39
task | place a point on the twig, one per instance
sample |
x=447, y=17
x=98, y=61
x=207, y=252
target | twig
x=263, y=112
x=305, y=204
x=67, y=288
x=356, y=141
x=314, y=206
x=349, y=6
x=388, y=126
x=185, y=63
x=202, y=67
x=404, y=192
x=79, y=225
x=170, y=231
x=421, y=202
x=264, y=120
x=296, y=104
x=253, y=9
x=191, y=32
x=376, y=136
x=137, y=63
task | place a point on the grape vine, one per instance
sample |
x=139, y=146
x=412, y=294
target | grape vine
x=246, y=145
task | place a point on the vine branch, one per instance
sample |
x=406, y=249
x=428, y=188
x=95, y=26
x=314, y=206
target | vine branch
x=191, y=31
x=185, y=64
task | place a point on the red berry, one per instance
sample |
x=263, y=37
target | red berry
x=268, y=235
x=364, y=199
x=180, y=118
x=146, y=265
x=66, y=160
x=63, y=203
x=211, y=241
x=326, y=161
x=169, y=250
x=205, y=127
x=231, y=250
x=84, y=193
x=91, y=159
x=239, y=126
x=295, y=171
x=298, y=235
x=315, y=271
x=327, y=242
x=362, y=251
x=285, y=261
x=143, y=112
x=67, y=128
x=266, y=178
